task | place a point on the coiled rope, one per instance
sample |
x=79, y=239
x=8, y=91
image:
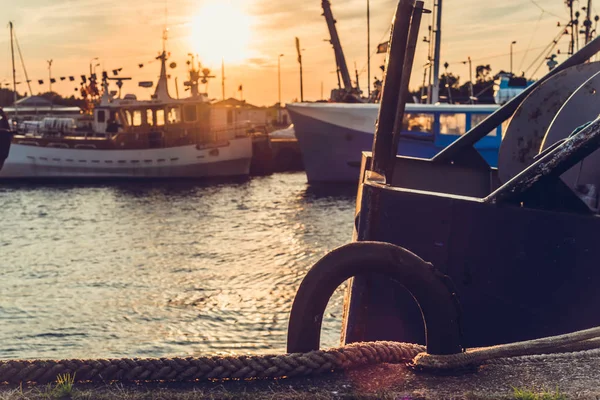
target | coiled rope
x=576, y=345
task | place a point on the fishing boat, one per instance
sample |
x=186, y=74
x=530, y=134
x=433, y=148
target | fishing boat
x=130, y=138
x=332, y=136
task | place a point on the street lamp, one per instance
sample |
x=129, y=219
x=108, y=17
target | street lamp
x=279, y=88
x=511, y=55
x=91, y=61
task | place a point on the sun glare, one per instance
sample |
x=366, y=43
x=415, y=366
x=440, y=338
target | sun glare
x=221, y=30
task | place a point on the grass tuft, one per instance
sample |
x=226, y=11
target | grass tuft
x=525, y=394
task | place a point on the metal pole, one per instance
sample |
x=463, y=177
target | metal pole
x=383, y=140
x=411, y=46
x=471, y=80
x=435, y=95
x=511, y=55
x=14, y=72
x=368, y=50
x=50, y=75
x=223, y=77
x=279, y=88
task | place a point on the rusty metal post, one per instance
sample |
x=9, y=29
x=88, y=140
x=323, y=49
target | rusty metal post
x=383, y=140
x=502, y=114
x=413, y=37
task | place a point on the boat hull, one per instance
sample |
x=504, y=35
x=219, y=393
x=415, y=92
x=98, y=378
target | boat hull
x=228, y=159
x=333, y=138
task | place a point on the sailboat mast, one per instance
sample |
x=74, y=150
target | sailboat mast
x=435, y=95
x=14, y=72
x=368, y=50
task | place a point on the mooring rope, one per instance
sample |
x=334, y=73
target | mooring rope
x=573, y=343
x=206, y=368
x=577, y=345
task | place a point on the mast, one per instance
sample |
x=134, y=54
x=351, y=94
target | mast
x=435, y=92
x=337, y=46
x=368, y=51
x=162, y=88
x=588, y=22
x=14, y=72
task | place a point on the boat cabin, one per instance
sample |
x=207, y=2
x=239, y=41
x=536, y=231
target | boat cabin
x=441, y=124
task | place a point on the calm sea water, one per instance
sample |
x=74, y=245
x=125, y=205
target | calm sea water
x=169, y=269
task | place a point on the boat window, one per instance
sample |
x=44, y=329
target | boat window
x=174, y=115
x=137, y=117
x=453, y=124
x=128, y=117
x=476, y=120
x=418, y=122
x=189, y=113
x=100, y=117
x=149, y=117
x=160, y=117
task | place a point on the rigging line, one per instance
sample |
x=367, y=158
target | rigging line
x=550, y=45
x=546, y=11
x=537, y=25
x=362, y=70
x=543, y=59
x=23, y=63
x=485, y=58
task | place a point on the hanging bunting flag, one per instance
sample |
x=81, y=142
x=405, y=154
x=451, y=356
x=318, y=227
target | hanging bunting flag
x=52, y=80
x=71, y=78
x=62, y=78
x=146, y=84
x=382, y=47
x=40, y=81
x=83, y=79
x=141, y=65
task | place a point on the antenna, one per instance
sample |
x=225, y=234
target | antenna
x=50, y=74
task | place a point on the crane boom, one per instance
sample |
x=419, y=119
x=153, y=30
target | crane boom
x=337, y=46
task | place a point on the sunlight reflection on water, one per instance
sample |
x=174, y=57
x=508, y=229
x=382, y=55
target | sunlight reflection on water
x=169, y=269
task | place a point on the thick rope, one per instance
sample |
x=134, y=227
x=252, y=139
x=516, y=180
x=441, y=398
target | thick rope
x=214, y=368
x=570, y=342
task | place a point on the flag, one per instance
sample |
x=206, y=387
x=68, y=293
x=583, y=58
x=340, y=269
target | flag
x=40, y=81
x=146, y=84
x=240, y=88
x=52, y=80
x=83, y=79
x=62, y=78
x=71, y=78
x=382, y=47
x=141, y=65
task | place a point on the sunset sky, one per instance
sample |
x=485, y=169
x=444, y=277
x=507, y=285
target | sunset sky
x=250, y=34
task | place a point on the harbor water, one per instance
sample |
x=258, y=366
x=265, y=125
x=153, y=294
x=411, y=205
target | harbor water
x=164, y=269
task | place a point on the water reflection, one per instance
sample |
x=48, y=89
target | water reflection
x=162, y=269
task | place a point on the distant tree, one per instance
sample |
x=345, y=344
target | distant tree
x=482, y=73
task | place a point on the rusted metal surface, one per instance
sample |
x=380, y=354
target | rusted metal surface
x=382, y=142
x=527, y=127
x=583, y=106
x=453, y=152
x=432, y=290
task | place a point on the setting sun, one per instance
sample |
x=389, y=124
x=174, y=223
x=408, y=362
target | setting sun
x=221, y=30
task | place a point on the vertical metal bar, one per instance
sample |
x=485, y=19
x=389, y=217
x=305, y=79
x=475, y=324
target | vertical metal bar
x=435, y=96
x=411, y=46
x=503, y=113
x=383, y=139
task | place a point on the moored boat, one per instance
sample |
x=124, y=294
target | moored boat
x=332, y=136
x=130, y=138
